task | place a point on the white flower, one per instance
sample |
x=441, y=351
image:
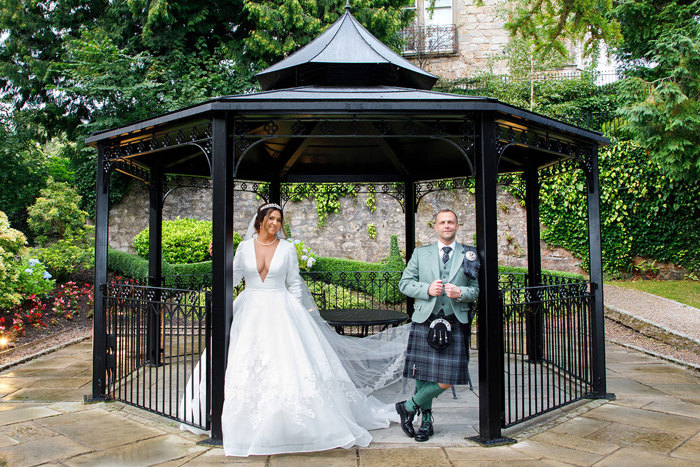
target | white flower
x=46, y=275
x=304, y=250
x=310, y=262
x=296, y=242
x=304, y=257
x=33, y=262
x=29, y=271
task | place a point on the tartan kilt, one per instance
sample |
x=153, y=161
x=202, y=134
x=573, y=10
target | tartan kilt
x=423, y=362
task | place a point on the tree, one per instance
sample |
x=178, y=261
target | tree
x=548, y=24
x=661, y=95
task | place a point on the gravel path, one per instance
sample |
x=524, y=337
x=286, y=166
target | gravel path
x=666, y=313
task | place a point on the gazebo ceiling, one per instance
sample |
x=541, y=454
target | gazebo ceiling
x=357, y=111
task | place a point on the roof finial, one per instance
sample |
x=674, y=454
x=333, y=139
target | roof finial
x=347, y=5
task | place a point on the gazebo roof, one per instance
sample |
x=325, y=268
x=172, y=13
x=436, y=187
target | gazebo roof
x=346, y=54
x=345, y=107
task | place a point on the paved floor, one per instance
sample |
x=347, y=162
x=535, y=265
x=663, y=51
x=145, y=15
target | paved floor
x=654, y=421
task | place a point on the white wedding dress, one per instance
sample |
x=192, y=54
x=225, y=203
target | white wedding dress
x=288, y=383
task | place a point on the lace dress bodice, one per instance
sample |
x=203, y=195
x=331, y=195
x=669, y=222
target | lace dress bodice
x=282, y=275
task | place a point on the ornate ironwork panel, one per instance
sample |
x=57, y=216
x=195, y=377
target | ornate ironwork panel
x=182, y=335
x=546, y=347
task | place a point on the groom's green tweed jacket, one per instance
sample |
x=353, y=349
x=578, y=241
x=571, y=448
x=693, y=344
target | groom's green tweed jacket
x=423, y=268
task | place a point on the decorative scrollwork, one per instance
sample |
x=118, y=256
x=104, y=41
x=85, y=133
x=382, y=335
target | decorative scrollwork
x=382, y=127
x=298, y=127
x=271, y=128
x=410, y=128
x=355, y=127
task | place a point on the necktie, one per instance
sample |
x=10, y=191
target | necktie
x=446, y=253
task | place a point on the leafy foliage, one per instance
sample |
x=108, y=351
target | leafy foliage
x=33, y=278
x=643, y=212
x=548, y=23
x=184, y=241
x=56, y=214
x=12, y=248
x=69, y=255
x=376, y=279
x=661, y=96
x=578, y=101
x=66, y=241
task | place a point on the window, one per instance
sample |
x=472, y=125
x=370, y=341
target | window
x=433, y=32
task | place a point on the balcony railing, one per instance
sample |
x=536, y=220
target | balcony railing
x=429, y=40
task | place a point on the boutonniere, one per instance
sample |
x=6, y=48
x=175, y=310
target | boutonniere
x=470, y=255
x=471, y=263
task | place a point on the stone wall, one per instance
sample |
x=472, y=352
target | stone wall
x=346, y=234
x=481, y=39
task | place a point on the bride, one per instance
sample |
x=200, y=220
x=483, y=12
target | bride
x=291, y=383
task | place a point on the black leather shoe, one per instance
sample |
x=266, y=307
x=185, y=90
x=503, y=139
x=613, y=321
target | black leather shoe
x=406, y=419
x=426, y=427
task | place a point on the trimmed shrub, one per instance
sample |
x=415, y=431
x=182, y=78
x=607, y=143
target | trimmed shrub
x=127, y=265
x=193, y=275
x=367, y=278
x=185, y=241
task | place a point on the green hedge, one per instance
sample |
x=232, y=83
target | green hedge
x=194, y=275
x=185, y=241
x=393, y=264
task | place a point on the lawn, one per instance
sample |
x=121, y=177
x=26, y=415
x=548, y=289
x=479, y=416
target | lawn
x=687, y=292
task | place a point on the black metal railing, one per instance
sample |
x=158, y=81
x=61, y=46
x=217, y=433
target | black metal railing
x=155, y=336
x=546, y=348
x=356, y=289
x=429, y=40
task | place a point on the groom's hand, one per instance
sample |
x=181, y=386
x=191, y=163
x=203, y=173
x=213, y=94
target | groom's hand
x=452, y=291
x=435, y=288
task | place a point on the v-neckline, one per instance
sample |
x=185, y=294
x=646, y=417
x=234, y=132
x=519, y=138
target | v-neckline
x=255, y=255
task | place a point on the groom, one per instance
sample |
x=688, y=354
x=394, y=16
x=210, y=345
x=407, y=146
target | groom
x=442, y=278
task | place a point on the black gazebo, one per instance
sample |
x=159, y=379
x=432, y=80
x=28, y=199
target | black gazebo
x=345, y=108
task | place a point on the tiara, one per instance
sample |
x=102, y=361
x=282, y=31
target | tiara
x=271, y=205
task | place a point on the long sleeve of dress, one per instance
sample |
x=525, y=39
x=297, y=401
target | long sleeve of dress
x=238, y=265
x=293, y=280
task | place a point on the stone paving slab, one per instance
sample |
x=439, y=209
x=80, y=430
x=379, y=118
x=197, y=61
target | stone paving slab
x=670, y=423
x=41, y=450
x=690, y=450
x=540, y=450
x=23, y=414
x=100, y=430
x=630, y=457
x=402, y=457
x=147, y=452
x=654, y=421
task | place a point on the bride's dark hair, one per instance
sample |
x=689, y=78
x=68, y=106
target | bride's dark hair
x=263, y=209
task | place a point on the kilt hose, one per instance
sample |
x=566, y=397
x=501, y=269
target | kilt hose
x=423, y=362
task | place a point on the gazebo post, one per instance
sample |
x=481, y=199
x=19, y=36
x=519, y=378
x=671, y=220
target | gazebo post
x=275, y=195
x=489, y=319
x=155, y=268
x=409, y=205
x=595, y=257
x=534, y=326
x=222, y=271
x=99, y=328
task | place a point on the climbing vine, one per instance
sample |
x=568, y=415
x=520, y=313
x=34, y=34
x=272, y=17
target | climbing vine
x=370, y=202
x=644, y=213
